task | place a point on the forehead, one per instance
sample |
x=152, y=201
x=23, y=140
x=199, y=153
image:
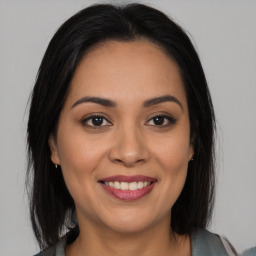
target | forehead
x=127, y=70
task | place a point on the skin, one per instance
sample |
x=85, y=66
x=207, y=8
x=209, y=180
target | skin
x=127, y=142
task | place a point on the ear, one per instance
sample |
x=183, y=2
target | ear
x=191, y=146
x=191, y=152
x=54, y=151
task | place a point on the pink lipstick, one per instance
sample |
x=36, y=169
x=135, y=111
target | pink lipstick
x=128, y=187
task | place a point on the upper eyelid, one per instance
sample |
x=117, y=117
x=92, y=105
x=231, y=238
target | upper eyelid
x=108, y=119
x=166, y=115
x=85, y=120
x=89, y=116
x=170, y=118
x=163, y=115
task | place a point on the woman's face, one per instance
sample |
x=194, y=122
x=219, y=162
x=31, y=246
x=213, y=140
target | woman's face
x=123, y=139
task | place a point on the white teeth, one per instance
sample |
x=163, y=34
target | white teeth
x=116, y=185
x=140, y=184
x=124, y=186
x=127, y=185
x=133, y=186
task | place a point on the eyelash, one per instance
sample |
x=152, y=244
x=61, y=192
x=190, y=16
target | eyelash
x=170, y=121
x=90, y=118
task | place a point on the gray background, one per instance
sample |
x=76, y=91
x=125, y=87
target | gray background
x=224, y=32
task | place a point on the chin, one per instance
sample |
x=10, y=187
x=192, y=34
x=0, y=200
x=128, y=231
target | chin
x=129, y=227
x=129, y=222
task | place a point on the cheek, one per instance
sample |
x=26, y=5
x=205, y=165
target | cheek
x=173, y=156
x=79, y=158
x=78, y=154
x=173, y=152
x=174, y=166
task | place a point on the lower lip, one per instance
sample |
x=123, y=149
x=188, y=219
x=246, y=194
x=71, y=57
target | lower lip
x=129, y=195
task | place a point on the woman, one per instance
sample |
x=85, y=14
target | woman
x=121, y=139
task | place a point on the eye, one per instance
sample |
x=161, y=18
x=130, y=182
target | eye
x=161, y=120
x=95, y=121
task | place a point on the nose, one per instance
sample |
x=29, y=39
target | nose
x=129, y=148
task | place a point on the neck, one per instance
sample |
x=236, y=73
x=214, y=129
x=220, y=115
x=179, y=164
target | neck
x=157, y=240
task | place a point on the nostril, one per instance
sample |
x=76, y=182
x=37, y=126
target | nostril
x=128, y=154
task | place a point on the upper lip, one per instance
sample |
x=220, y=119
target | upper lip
x=133, y=178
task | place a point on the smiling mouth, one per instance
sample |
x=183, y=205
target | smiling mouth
x=131, y=186
x=128, y=187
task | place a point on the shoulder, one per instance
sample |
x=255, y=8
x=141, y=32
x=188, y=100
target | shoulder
x=56, y=250
x=59, y=248
x=207, y=243
x=51, y=251
x=250, y=252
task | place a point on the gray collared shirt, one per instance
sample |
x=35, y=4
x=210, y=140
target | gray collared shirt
x=203, y=243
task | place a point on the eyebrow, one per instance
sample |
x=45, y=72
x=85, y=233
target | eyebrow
x=97, y=100
x=109, y=103
x=161, y=99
